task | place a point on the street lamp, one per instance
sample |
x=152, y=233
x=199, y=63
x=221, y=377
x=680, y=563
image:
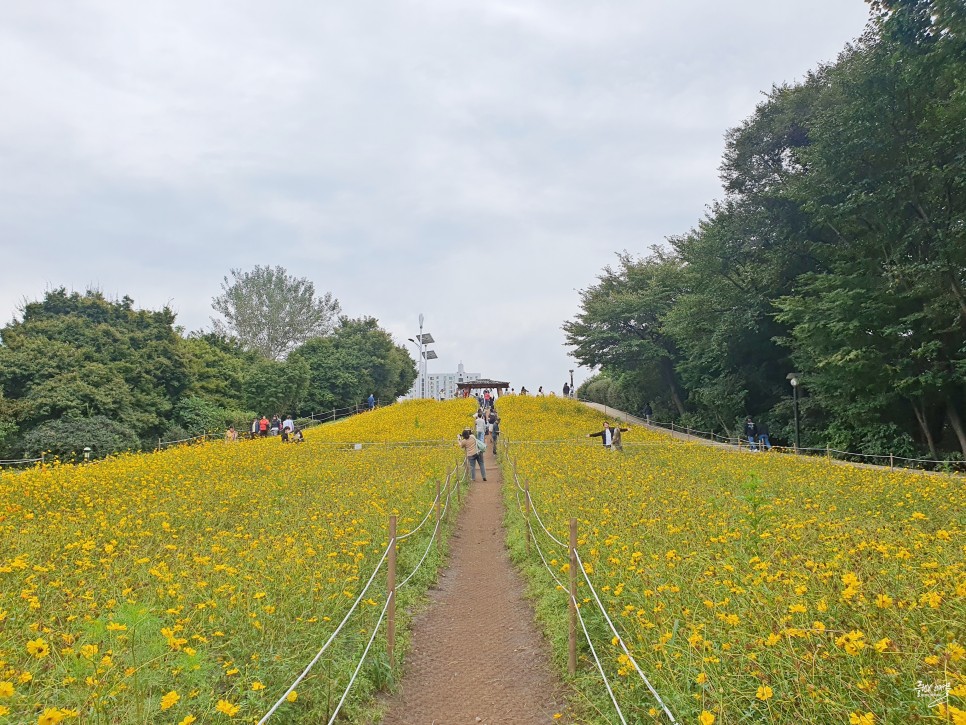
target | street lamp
x=423, y=354
x=793, y=379
x=572, y=384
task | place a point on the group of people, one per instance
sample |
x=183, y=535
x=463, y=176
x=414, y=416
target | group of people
x=757, y=435
x=263, y=428
x=610, y=436
x=486, y=422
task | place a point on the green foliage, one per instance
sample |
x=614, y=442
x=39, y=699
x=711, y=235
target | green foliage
x=270, y=312
x=82, y=356
x=359, y=358
x=838, y=252
x=67, y=437
x=273, y=387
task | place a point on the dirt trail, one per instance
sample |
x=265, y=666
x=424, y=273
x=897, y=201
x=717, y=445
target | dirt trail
x=477, y=656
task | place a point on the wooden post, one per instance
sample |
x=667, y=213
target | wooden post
x=891, y=462
x=527, y=515
x=572, y=644
x=828, y=452
x=446, y=493
x=439, y=501
x=687, y=431
x=391, y=593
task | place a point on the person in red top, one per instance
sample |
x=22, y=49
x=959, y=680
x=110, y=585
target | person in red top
x=263, y=425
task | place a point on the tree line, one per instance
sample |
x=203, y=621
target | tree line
x=838, y=252
x=80, y=370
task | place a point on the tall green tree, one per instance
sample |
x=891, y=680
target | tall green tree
x=272, y=312
x=621, y=325
x=78, y=356
x=356, y=360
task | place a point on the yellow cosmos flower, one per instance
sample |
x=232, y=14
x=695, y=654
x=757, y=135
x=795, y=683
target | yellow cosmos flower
x=38, y=647
x=764, y=693
x=227, y=708
x=6, y=689
x=858, y=718
x=188, y=719
x=169, y=700
x=706, y=718
x=292, y=696
x=258, y=686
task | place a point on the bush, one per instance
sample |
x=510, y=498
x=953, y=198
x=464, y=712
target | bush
x=67, y=437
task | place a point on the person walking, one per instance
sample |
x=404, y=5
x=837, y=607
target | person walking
x=566, y=389
x=606, y=435
x=263, y=425
x=254, y=427
x=763, y=441
x=647, y=413
x=494, y=424
x=751, y=433
x=371, y=400
x=480, y=426
x=473, y=456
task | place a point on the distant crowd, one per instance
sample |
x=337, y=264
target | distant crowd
x=265, y=427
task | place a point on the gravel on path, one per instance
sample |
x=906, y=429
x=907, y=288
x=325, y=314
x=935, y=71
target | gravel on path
x=477, y=655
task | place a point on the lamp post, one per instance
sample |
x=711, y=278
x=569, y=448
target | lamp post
x=420, y=342
x=572, y=384
x=793, y=379
x=87, y=454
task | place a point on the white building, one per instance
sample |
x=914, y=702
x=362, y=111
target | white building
x=442, y=385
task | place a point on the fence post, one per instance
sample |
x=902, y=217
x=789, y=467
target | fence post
x=572, y=642
x=159, y=444
x=446, y=490
x=828, y=452
x=438, y=502
x=391, y=593
x=672, y=426
x=891, y=462
x=687, y=431
x=527, y=515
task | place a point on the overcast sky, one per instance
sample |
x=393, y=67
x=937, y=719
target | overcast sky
x=477, y=162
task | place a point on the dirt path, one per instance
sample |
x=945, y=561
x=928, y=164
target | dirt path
x=477, y=656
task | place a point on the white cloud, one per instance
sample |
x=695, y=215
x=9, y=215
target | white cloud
x=477, y=162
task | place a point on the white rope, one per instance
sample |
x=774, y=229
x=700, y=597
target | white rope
x=553, y=538
x=361, y=660
x=620, y=640
x=540, y=551
x=600, y=667
x=429, y=545
x=421, y=523
x=18, y=461
x=329, y=640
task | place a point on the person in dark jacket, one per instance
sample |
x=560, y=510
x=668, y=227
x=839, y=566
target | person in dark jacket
x=751, y=433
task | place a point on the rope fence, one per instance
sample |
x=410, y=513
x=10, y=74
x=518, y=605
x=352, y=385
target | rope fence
x=21, y=461
x=891, y=460
x=441, y=506
x=529, y=511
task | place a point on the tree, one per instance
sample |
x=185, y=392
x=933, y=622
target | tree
x=621, y=323
x=77, y=356
x=357, y=359
x=276, y=387
x=271, y=312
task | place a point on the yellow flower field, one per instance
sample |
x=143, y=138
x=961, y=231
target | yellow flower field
x=195, y=584
x=750, y=587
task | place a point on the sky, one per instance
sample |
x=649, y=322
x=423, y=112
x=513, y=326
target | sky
x=476, y=162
